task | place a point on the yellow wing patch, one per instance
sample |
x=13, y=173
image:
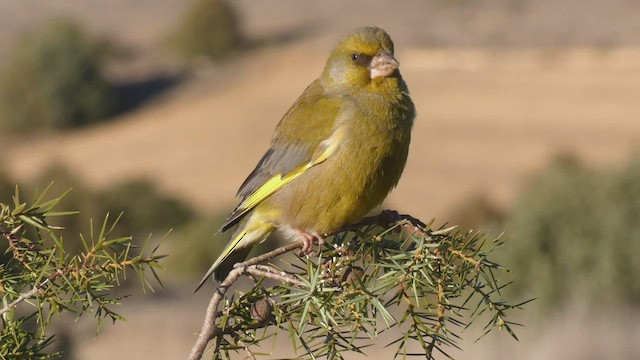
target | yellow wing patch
x=272, y=185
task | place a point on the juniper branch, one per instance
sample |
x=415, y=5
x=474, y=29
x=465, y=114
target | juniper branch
x=209, y=330
x=371, y=269
x=31, y=293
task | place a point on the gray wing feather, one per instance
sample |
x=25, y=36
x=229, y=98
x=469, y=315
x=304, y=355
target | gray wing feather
x=277, y=160
x=299, y=133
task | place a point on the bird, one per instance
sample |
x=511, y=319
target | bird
x=334, y=156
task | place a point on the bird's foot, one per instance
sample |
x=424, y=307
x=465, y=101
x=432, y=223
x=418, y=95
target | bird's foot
x=308, y=239
x=388, y=218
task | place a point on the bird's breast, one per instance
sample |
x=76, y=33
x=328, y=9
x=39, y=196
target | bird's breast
x=365, y=166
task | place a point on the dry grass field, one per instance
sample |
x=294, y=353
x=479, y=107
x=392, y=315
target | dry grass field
x=490, y=117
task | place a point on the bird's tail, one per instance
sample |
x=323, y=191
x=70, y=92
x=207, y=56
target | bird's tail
x=236, y=251
x=231, y=254
x=225, y=267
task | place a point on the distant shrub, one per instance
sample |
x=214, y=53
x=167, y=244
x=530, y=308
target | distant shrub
x=476, y=213
x=577, y=236
x=54, y=80
x=82, y=199
x=146, y=210
x=209, y=28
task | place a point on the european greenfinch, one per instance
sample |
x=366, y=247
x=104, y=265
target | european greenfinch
x=334, y=156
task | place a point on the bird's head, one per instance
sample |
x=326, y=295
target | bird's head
x=362, y=59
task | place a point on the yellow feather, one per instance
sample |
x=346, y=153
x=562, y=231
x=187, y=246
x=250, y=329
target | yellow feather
x=228, y=250
x=225, y=254
x=272, y=185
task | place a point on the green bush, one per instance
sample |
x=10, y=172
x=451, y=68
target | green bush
x=476, y=213
x=577, y=236
x=146, y=210
x=209, y=28
x=425, y=286
x=41, y=280
x=54, y=79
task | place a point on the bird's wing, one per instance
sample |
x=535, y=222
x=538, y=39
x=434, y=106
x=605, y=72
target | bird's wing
x=305, y=137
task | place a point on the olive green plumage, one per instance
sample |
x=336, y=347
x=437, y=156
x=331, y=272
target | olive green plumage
x=335, y=154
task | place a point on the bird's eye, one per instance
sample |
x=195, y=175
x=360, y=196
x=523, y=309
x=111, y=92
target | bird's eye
x=359, y=58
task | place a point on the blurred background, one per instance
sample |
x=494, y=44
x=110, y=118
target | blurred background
x=528, y=123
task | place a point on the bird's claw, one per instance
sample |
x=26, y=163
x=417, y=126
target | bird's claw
x=308, y=239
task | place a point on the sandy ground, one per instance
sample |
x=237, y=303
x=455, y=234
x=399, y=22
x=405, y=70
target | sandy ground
x=488, y=121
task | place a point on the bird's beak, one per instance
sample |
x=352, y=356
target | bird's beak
x=383, y=64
